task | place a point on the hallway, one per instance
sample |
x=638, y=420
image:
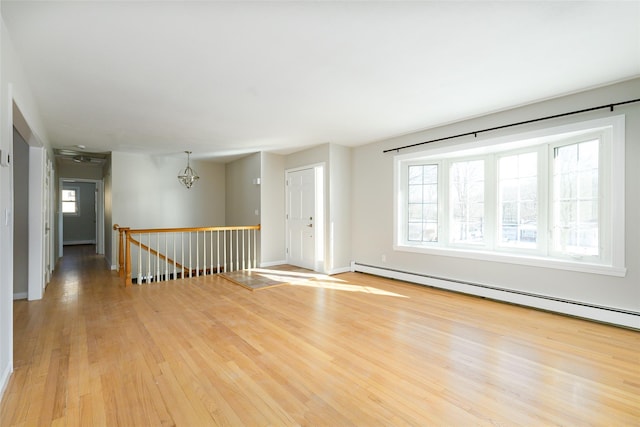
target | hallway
x=344, y=350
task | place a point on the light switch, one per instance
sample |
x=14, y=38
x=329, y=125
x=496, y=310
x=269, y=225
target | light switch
x=5, y=158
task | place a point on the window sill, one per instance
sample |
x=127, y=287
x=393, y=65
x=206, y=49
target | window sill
x=529, y=260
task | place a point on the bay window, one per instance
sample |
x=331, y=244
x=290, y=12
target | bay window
x=553, y=198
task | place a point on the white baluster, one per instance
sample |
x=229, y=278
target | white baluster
x=148, y=268
x=243, y=266
x=237, y=254
x=211, y=251
x=140, y=260
x=224, y=248
x=190, y=269
x=197, y=254
x=249, y=249
x=218, y=251
x=174, y=255
x=157, y=258
x=204, y=252
x=182, y=255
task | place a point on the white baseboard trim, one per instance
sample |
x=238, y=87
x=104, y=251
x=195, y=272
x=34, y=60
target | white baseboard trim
x=20, y=295
x=79, y=242
x=4, y=379
x=272, y=263
x=611, y=315
x=339, y=270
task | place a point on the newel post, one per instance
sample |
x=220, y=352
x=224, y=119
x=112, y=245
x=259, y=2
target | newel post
x=127, y=280
x=122, y=231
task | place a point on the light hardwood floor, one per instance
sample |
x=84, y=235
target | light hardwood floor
x=355, y=350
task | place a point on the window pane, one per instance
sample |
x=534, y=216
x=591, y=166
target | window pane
x=430, y=212
x=575, y=199
x=518, y=196
x=415, y=232
x=422, y=203
x=509, y=213
x=430, y=193
x=528, y=189
x=467, y=201
x=588, y=155
x=415, y=212
x=430, y=232
x=588, y=184
x=528, y=165
x=68, y=195
x=430, y=174
x=509, y=190
x=68, y=207
x=415, y=194
x=588, y=213
x=415, y=174
x=70, y=201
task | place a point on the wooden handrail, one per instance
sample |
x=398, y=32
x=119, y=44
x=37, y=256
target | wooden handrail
x=126, y=240
x=190, y=229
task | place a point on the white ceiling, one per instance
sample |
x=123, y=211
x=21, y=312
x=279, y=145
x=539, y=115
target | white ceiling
x=226, y=78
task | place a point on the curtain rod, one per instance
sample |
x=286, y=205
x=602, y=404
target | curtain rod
x=475, y=133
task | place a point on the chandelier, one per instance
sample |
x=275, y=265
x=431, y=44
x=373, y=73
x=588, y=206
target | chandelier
x=188, y=176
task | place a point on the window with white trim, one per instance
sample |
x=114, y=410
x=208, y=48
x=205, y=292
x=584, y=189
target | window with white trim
x=71, y=201
x=553, y=198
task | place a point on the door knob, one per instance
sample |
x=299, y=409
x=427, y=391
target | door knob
x=309, y=225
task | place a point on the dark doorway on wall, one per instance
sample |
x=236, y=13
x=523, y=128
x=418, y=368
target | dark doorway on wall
x=21, y=216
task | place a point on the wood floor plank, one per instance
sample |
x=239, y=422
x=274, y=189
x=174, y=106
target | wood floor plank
x=346, y=350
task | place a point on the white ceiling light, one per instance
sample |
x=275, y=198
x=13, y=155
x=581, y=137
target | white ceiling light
x=188, y=176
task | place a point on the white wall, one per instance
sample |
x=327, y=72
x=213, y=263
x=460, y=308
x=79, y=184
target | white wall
x=66, y=169
x=339, y=231
x=13, y=88
x=109, y=243
x=272, y=209
x=146, y=193
x=242, y=194
x=372, y=235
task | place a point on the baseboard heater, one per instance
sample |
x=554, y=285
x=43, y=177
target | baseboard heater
x=626, y=318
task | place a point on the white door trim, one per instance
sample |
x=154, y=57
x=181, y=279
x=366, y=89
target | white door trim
x=99, y=213
x=319, y=217
x=36, y=282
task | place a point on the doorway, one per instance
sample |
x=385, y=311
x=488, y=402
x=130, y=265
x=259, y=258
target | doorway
x=81, y=213
x=305, y=217
x=21, y=217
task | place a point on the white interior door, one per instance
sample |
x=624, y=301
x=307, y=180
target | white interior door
x=300, y=218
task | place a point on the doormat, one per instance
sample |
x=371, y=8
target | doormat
x=264, y=278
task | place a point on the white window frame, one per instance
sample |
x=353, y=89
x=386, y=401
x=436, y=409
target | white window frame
x=77, y=190
x=611, y=190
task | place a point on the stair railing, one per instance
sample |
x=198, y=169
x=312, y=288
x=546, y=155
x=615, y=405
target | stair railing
x=154, y=255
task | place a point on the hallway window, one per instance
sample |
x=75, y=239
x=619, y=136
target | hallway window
x=70, y=200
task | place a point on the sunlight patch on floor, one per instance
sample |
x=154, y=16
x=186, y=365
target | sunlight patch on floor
x=348, y=287
x=263, y=278
x=285, y=275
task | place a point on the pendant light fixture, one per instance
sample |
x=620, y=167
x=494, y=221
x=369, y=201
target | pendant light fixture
x=188, y=176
